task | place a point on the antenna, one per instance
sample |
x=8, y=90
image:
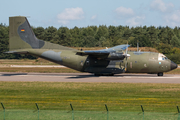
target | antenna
x=137, y=46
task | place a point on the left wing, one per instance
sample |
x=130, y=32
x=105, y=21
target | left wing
x=114, y=53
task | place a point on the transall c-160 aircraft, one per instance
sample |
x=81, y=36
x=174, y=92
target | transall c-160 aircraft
x=109, y=61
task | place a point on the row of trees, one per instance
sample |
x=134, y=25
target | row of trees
x=165, y=39
x=93, y=36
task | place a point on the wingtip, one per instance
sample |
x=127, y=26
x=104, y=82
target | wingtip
x=19, y=52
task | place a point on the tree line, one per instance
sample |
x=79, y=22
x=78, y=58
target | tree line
x=164, y=39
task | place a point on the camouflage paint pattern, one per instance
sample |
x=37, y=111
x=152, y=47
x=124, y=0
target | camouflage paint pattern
x=23, y=41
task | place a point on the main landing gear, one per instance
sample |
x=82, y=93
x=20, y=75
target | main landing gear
x=160, y=74
x=104, y=74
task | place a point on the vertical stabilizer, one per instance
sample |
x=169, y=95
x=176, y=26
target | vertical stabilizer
x=21, y=35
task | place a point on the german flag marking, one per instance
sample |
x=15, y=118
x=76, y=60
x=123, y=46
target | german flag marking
x=22, y=30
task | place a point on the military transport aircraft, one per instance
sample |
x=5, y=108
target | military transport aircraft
x=109, y=61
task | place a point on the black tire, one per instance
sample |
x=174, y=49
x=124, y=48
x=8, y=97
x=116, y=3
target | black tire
x=112, y=74
x=160, y=74
x=96, y=74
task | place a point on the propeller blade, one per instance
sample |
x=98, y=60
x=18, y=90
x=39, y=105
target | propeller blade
x=126, y=53
x=127, y=48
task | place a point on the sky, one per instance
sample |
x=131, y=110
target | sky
x=83, y=13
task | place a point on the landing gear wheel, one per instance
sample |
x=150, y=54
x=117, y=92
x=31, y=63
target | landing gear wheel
x=160, y=74
x=112, y=74
x=96, y=74
x=105, y=74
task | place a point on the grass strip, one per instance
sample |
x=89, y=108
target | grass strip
x=90, y=96
x=38, y=70
x=84, y=115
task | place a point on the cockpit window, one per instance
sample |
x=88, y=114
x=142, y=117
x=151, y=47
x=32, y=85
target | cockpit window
x=162, y=57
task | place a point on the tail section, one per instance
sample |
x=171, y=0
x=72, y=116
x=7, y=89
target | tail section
x=21, y=35
x=22, y=38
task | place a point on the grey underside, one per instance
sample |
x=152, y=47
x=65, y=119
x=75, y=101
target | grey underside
x=52, y=55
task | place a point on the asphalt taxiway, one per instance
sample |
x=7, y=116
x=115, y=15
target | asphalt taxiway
x=86, y=77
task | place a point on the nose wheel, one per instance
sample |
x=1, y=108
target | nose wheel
x=160, y=74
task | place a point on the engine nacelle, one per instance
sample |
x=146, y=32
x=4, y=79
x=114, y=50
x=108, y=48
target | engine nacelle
x=116, y=56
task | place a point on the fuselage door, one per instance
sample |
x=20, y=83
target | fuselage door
x=87, y=62
x=130, y=65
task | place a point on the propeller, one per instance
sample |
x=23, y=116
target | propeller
x=126, y=55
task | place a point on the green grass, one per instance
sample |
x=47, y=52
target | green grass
x=90, y=96
x=38, y=70
x=84, y=115
x=38, y=61
x=175, y=71
x=88, y=100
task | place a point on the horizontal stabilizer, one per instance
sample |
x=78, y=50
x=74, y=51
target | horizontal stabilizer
x=16, y=52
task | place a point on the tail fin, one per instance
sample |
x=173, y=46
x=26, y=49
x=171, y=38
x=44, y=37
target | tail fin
x=21, y=35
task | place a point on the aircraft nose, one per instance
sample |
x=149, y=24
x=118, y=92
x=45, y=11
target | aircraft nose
x=173, y=65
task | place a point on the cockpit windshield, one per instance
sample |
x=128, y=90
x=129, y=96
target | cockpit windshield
x=162, y=57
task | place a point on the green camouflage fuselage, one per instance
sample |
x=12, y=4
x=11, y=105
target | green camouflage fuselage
x=138, y=62
x=113, y=60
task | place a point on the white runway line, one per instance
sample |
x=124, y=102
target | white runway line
x=142, y=77
x=105, y=76
x=153, y=77
x=42, y=76
x=56, y=66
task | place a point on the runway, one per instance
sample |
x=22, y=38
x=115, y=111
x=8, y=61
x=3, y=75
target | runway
x=34, y=66
x=86, y=77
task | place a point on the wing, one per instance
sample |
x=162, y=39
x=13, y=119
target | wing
x=111, y=53
x=103, y=51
